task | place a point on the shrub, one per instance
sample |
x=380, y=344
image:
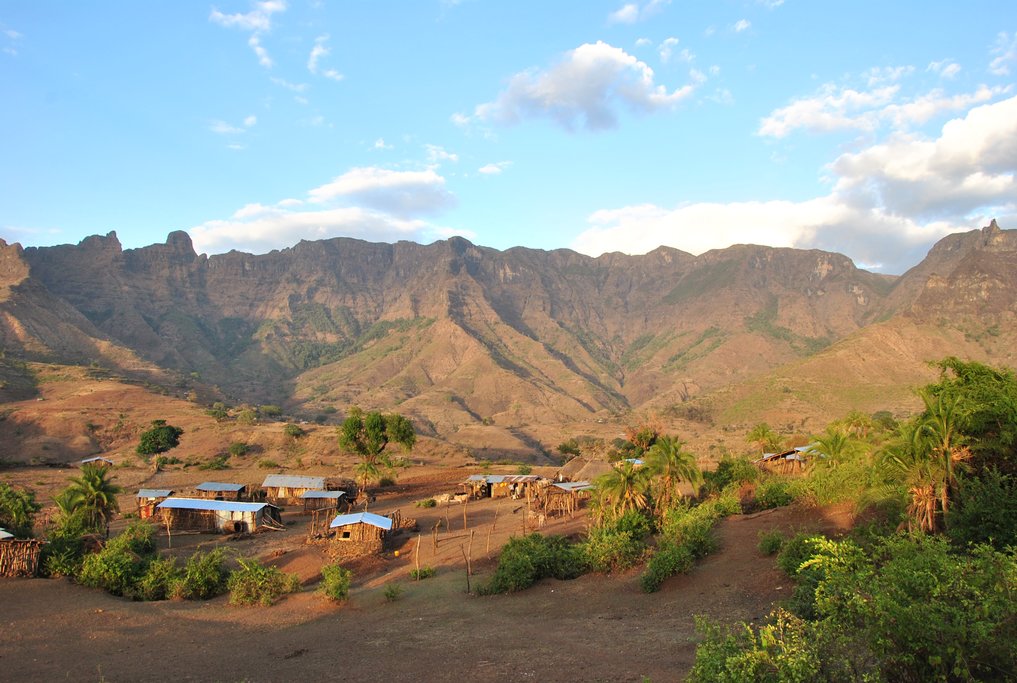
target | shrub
x=524, y=469
x=218, y=411
x=671, y=558
x=335, y=582
x=795, y=551
x=730, y=471
x=773, y=493
x=216, y=463
x=293, y=431
x=254, y=583
x=422, y=573
x=526, y=560
x=17, y=508
x=985, y=511
x=267, y=464
x=238, y=449
x=426, y=503
x=159, y=580
x=205, y=576
x=115, y=569
x=393, y=591
x=270, y=410
x=160, y=438
x=618, y=544
x=687, y=534
x=386, y=481
x=770, y=542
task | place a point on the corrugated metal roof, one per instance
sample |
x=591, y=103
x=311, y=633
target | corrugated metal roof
x=292, y=481
x=154, y=493
x=205, y=504
x=97, y=458
x=323, y=494
x=575, y=486
x=218, y=486
x=362, y=518
x=4, y=535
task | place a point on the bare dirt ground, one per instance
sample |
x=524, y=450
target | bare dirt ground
x=596, y=628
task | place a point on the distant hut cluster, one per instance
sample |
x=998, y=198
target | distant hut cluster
x=19, y=556
x=503, y=485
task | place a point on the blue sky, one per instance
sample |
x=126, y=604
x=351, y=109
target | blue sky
x=867, y=128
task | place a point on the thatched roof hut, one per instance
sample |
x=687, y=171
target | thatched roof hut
x=224, y=516
x=583, y=469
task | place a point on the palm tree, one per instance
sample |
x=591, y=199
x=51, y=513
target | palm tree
x=941, y=425
x=908, y=459
x=835, y=446
x=624, y=489
x=763, y=437
x=667, y=460
x=92, y=495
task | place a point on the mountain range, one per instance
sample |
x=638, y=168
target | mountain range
x=480, y=346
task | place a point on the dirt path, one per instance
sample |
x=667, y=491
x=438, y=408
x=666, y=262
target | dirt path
x=596, y=628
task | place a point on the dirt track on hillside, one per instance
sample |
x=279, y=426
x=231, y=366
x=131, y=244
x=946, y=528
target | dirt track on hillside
x=596, y=628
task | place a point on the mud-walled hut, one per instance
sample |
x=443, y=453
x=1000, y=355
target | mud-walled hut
x=503, y=485
x=361, y=533
x=288, y=489
x=149, y=498
x=323, y=500
x=564, y=498
x=223, y=516
x=218, y=490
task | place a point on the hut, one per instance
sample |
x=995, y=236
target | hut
x=321, y=500
x=97, y=460
x=19, y=556
x=786, y=462
x=564, y=498
x=288, y=489
x=223, y=516
x=583, y=469
x=217, y=490
x=361, y=533
x=503, y=485
x=149, y=498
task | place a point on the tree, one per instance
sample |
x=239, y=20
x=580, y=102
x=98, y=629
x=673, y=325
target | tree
x=293, y=431
x=624, y=489
x=835, y=446
x=764, y=438
x=941, y=422
x=668, y=461
x=17, y=508
x=92, y=496
x=159, y=439
x=367, y=434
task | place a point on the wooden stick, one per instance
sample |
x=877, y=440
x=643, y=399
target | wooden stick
x=416, y=557
x=467, y=567
x=491, y=531
x=469, y=555
x=434, y=536
x=448, y=527
x=464, y=512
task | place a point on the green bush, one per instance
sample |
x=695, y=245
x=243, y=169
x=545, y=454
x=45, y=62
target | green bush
x=159, y=580
x=985, y=511
x=393, y=591
x=238, y=449
x=270, y=410
x=524, y=469
x=686, y=535
x=796, y=550
x=293, y=431
x=386, y=481
x=335, y=582
x=526, y=560
x=770, y=542
x=17, y=508
x=216, y=463
x=426, y=503
x=422, y=573
x=267, y=464
x=730, y=471
x=773, y=493
x=205, y=576
x=670, y=559
x=610, y=550
x=254, y=583
x=115, y=569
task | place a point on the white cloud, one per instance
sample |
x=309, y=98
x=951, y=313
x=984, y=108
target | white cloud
x=770, y=4
x=631, y=12
x=835, y=107
x=742, y=25
x=437, y=154
x=319, y=51
x=223, y=128
x=495, y=168
x=583, y=89
x=380, y=144
x=401, y=193
x=1005, y=51
x=666, y=49
x=643, y=42
x=258, y=21
x=295, y=87
x=888, y=205
x=944, y=68
x=250, y=120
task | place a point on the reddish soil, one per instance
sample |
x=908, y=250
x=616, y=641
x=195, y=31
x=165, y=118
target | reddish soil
x=596, y=628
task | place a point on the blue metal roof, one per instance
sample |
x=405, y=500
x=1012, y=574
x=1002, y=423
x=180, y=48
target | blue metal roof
x=218, y=486
x=362, y=518
x=322, y=494
x=294, y=481
x=205, y=504
x=154, y=493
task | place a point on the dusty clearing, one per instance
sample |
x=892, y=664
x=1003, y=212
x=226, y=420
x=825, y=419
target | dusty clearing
x=597, y=628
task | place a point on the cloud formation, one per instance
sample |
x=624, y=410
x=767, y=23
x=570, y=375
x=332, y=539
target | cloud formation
x=1004, y=54
x=494, y=169
x=632, y=12
x=319, y=51
x=257, y=22
x=894, y=198
x=369, y=203
x=584, y=89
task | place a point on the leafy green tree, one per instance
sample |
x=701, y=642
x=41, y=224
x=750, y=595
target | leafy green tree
x=764, y=438
x=834, y=446
x=624, y=489
x=218, y=411
x=159, y=439
x=367, y=434
x=92, y=496
x=671, y=465
x=293, y=431
x=17, y=508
